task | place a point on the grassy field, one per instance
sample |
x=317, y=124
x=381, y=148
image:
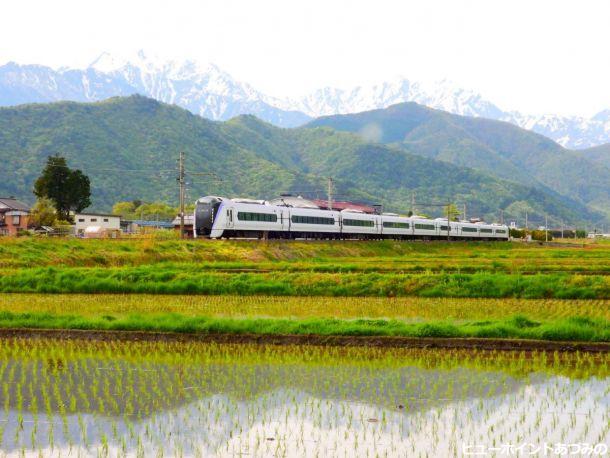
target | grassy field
x=338, y=256
x=406, y=317
x=510, y=290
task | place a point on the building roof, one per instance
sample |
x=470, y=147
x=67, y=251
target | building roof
x=10, y=203
x=97, y=214
x=293, y=201
x=146, y=223
x=344, y=205
x=188, y=220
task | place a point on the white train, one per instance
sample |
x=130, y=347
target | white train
x=294, y=217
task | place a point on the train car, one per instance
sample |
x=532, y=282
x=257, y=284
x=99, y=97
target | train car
x=469, y=230
x=486, y=231
x=394, y=226
x=424, y=228
x=445, y=231
x=500, y=232
x=248, y=219
x=358, y=224
x=204, y=217
x=217, y=217
x=292, y=217
x=314, y=223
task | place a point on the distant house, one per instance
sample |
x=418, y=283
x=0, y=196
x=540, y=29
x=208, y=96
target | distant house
x=14, y=216
x=104, y=222
x=140, y=226
x=188, y=224
x=598, y=235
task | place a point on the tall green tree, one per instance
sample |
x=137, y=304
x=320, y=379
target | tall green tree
x=450, y=211
x=43, y=212
x=125, y=209
x=70, y=190
x=155, y=210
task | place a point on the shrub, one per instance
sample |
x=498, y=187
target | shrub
x=542, y=236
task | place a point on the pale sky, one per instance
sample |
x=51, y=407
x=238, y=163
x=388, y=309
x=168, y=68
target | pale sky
x=535, y=56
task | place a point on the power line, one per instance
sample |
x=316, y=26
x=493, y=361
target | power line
x=86, y=169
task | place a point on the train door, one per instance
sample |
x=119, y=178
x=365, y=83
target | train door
x=230, y=218
x=285, y=220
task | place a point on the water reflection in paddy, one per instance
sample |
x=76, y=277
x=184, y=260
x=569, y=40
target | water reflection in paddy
x=146, y=399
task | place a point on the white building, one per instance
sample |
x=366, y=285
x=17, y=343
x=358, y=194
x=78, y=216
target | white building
x=598, y=235
x=105, y=222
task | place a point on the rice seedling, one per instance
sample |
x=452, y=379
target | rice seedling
x=195, y=399
x=405, y=308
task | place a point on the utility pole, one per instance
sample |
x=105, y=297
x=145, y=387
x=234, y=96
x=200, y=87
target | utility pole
x=561, y=228
x=464, y=213
x=330, y=193
x=546, y=227
x=181, y=184
x=525, y=220
x=412, y=203
x=501, y=216
x=448, y=222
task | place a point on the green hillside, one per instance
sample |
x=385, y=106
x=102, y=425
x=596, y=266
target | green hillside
x=598, y=154
x=497, y=148
x=128, y=146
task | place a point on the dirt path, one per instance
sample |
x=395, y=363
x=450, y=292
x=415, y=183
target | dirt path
x=370, y=341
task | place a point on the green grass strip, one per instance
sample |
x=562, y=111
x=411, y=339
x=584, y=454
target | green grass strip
x=517, y=327
x=185, y=279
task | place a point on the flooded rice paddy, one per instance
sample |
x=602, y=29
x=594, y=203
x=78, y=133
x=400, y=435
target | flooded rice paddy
x=77, y=398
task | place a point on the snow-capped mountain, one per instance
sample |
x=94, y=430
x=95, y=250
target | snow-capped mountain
x=571, y=132
x=441, y=95
x=208, y=91
x=203, y=90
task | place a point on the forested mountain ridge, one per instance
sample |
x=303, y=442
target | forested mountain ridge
x=493, y=147
x=598, y=154
x=128, y=146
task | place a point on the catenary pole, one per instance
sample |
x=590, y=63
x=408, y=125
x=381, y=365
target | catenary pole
x=181, y=184
x=448, y=222
x=412, y=203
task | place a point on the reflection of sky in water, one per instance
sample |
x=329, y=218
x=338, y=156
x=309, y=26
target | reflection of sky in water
x=295, y=410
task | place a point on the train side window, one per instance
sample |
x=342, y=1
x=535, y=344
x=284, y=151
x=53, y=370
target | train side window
x=427, y=227
x=394, y=225
x=264, y=217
